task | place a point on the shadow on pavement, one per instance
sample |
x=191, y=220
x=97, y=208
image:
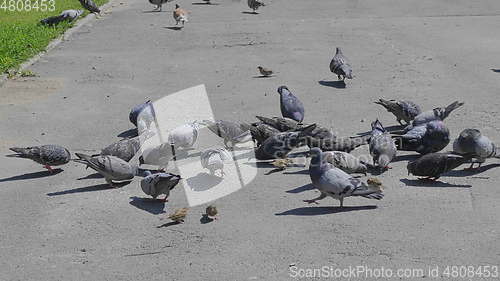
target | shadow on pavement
x=431, y=183
x=334, y=84
x=314, y=211
x=97, y=187
x=149, y=205
x=465, y=173
x=34, y=175
x=300, y=189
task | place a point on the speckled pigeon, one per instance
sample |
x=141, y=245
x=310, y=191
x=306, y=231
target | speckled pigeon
x=346, y=162
x=340, y=66
x=331, y=181
x=158, y=184
x=471, y=141
x=279, y=145
x=260, y=131
x=291, y=106
x=402, y=109
x=47, y=155
x=229, y=131
x=280, y=123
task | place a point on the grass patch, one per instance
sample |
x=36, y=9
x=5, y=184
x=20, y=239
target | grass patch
x=21, y=35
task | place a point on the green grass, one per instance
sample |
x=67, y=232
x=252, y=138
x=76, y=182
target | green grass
x=21, y=35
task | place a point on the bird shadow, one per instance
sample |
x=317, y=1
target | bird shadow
x=92, y=176
x=204, y=3
x=464, y=173
x=203, y=181
x=206, y=219
x=177, y=28
x=149, y=205
x=130, y=133
x=97, y=187
x=334, y=84
x=495, y=70
x=249, y=13
x=34, y=175
x=169, y=224
x=153, y=11
x=300, y=189
x=263, y=76
x=315, y=211
x=431, y=183
x=301, y=172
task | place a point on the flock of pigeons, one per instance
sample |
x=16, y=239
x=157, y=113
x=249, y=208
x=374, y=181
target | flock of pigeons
x=331, y=166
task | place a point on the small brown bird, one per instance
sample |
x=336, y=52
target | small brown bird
x=180, y=15
x=282, y=163
x=265, y=72
x=178, y=215
x=211, y=211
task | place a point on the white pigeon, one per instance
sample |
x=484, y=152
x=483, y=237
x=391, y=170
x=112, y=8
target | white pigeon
x=213, y=159
x=184, y=136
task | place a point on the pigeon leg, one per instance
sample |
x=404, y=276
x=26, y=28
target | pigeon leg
x=338, y=76
x=341, y=202
x=160, y=8
x=321, y=196
x=49, y=168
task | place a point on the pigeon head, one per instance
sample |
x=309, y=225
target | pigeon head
x=383, y=162
x=377, y=126
x=470, y=134
x=283, y=90
x=315, y=153
x=177, y=6
x=175, y=180
x=411, y=167
x=259, y=67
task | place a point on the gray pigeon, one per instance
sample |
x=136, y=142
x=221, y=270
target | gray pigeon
x=159, y=183
x=432, y=165
x=112, y=168
x=346, y=162
x=90, y=5
x=331, y=181
x=291, y=106
x=279, y=145
x=230, y=132
x=184, y=136
x=136, y=110
x=254, y=5
x=260, y=131
x=280, y=123
x=159, y=3
x=403, y=110
x=47, y=155
x=471, y=141
x=340, y=66
x=382, y=146
x=124, y=149
x=66, y=15
x=427, y=138
x=438, y=113
x=213, y=159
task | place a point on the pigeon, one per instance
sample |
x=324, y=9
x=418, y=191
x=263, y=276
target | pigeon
x=279, y=145
x=213, y=159
x=346, y=144
x=291, y=106
x=230, y=132
x=180, y=15
x=47, y=155
x=432, y=165
x=254, y=5
x=346, y=162
x=211, y=211
x=158, y=4
x=136, y=110
x=280, y=123
x=184, y=136
x=402, y=109
x=179, y=215
x=90, y=5
x=159, y=155
x=66, y=15
x=260, y=131
x=438, y=113
x=265, y=72
x=124, y=149
x=340, y=66
x=382, y=146
x=159, y=183
x=112, y=168
x=471, y=141
x=426, y=138
x=334, y=182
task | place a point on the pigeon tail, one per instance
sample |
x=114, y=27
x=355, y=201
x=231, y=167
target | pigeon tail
x=21, y=152
x=450, y=108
